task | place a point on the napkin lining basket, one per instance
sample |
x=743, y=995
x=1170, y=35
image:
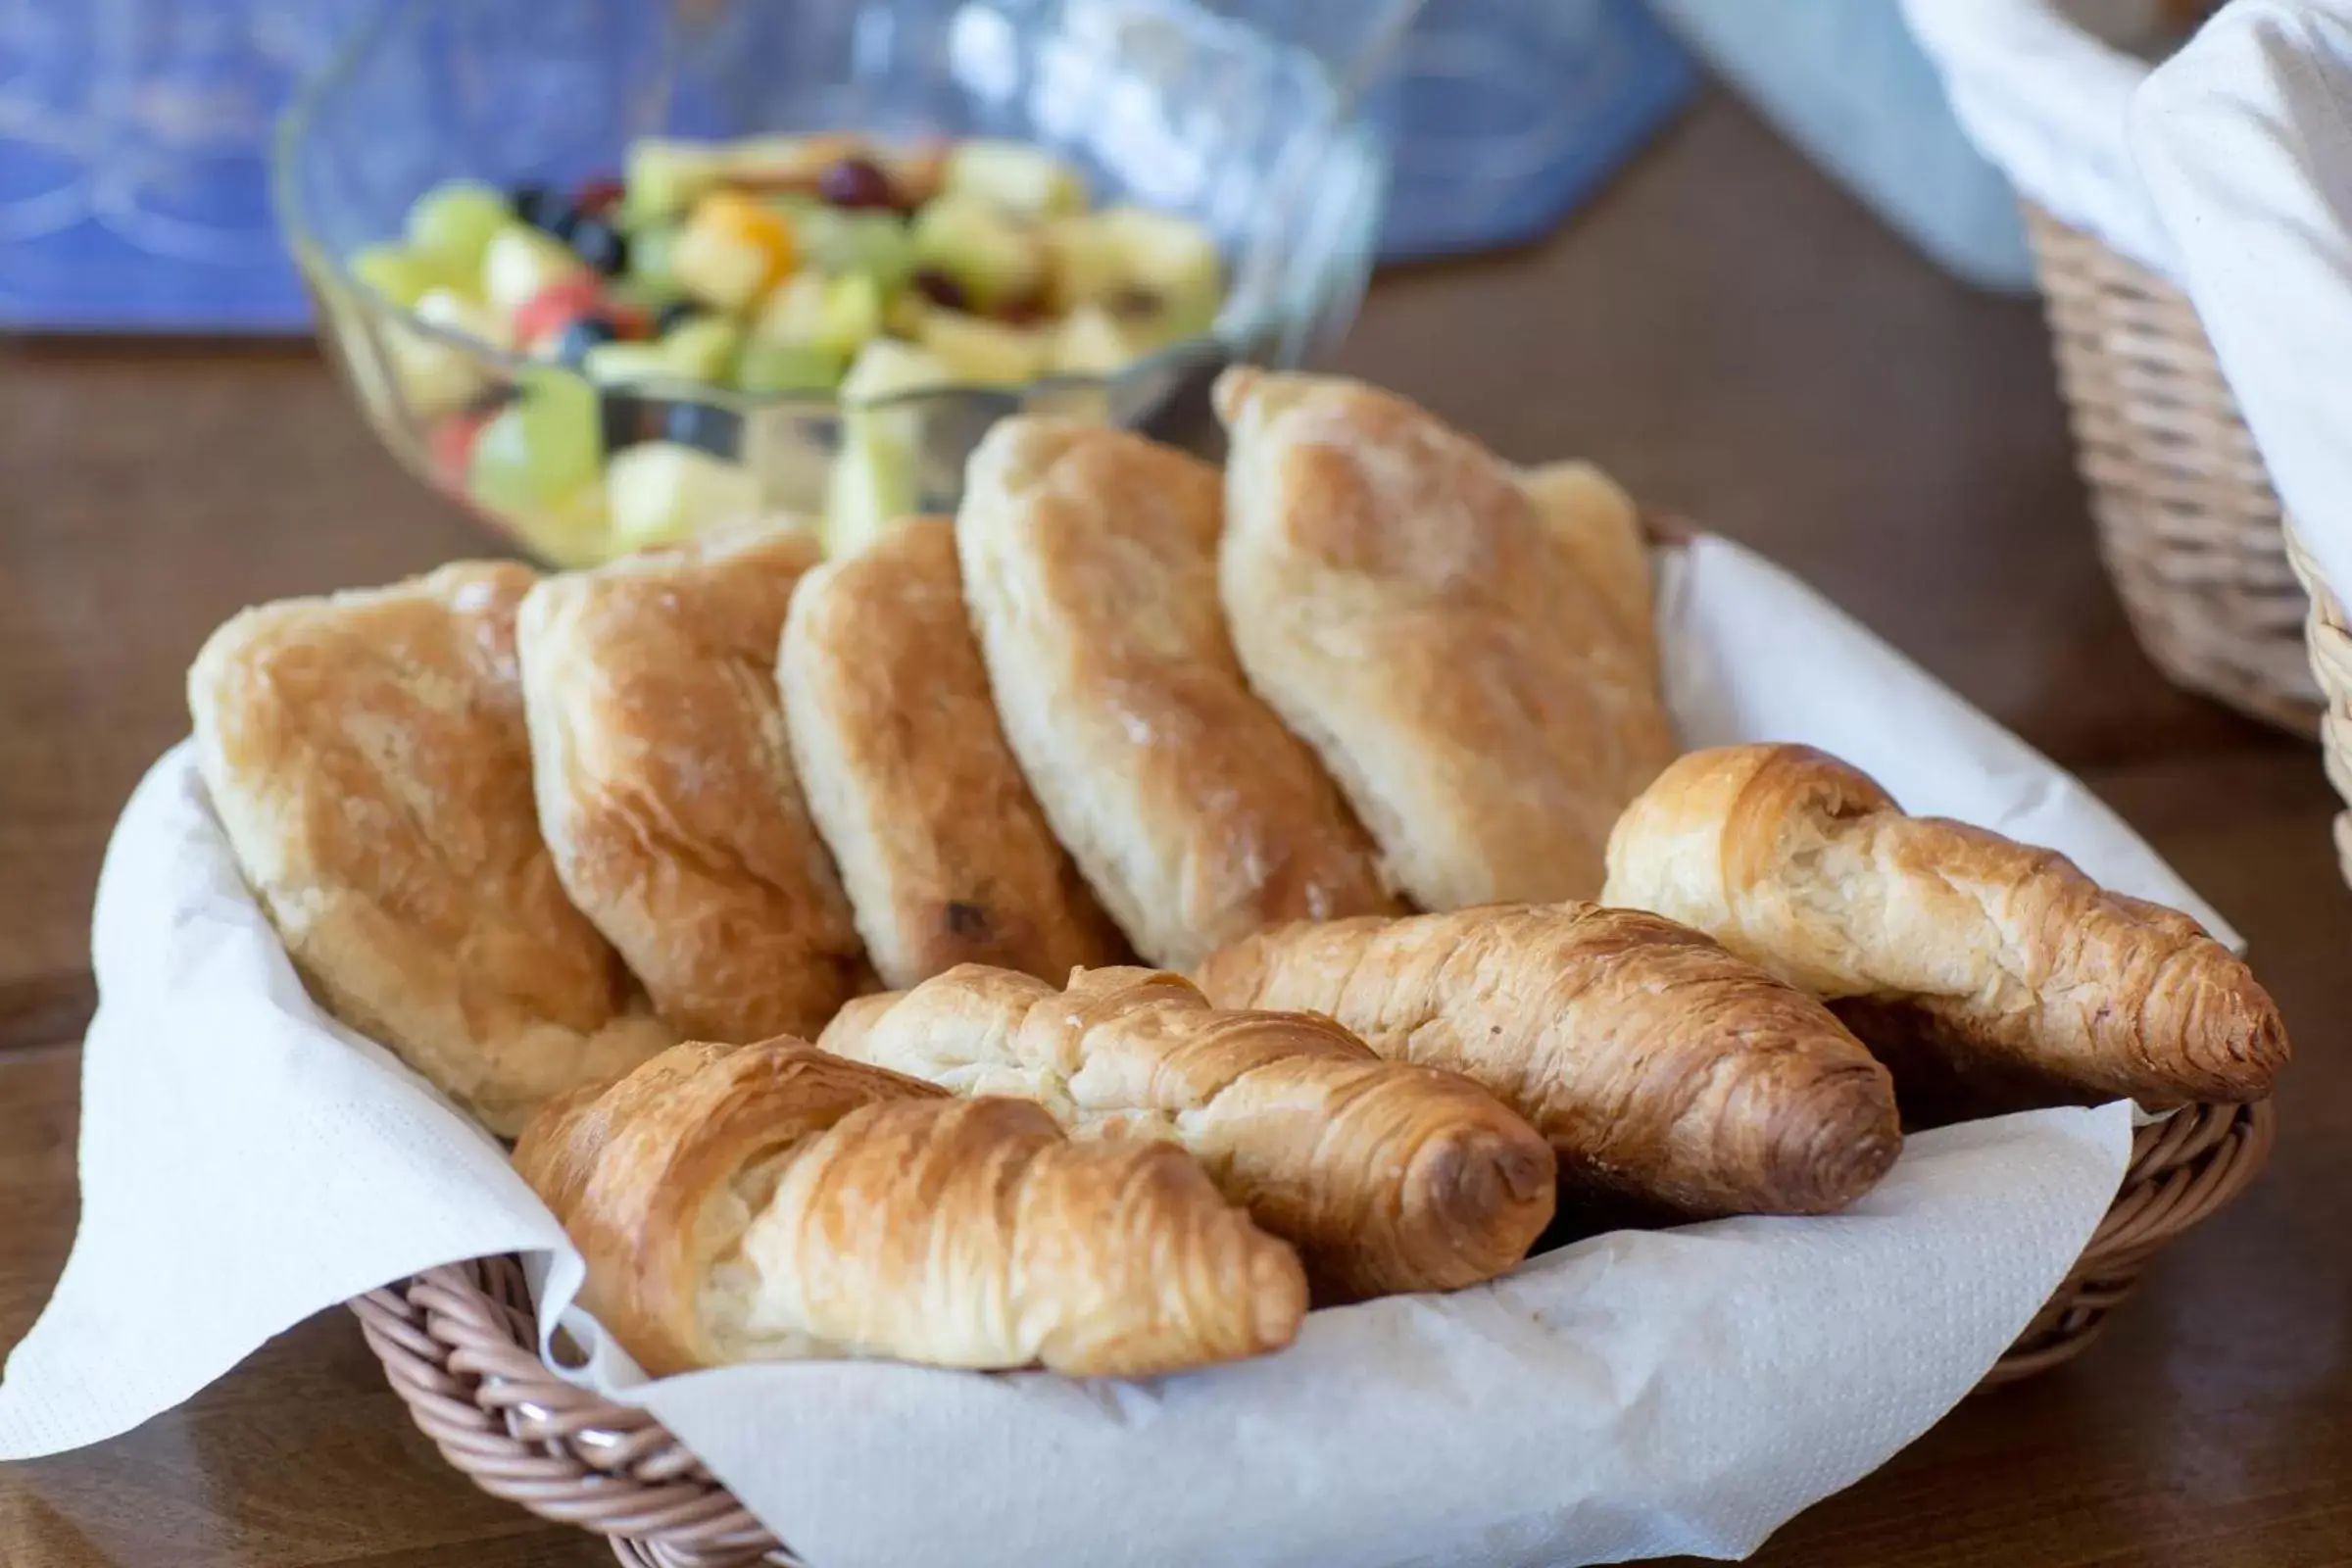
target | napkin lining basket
x=458, y=1346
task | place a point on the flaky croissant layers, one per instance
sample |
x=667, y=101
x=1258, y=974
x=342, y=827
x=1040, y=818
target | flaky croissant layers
x=2009, y=955
x=772, y=1202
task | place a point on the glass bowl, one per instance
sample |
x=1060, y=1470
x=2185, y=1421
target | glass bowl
x=1165, y=102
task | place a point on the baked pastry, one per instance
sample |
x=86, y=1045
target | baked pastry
x=365, y=756
x=1407, y=609
x=1090, y=569
x=1385, y=1177
x=770, y=1201
x=2007, y=955
x=666, y=787
x=1659, y=1067
x=1591, y=518
x=943, y=850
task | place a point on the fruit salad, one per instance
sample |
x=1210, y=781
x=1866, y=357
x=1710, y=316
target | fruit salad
x=831, y=266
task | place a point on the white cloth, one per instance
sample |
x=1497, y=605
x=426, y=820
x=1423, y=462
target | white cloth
x=2245, y=140
x=245, y=1163
x=2047, y=98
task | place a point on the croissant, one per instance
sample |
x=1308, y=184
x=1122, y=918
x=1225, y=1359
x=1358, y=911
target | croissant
x=1659, y=1067
x=2009, y=955
x=1387, y=1177
x=766, y=1201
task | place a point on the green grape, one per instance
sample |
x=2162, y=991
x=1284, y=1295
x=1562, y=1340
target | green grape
x=650, y=252
x=453, y=223
x=543, y=445
x=400, y=276
x=766, y=365
x=703, y=348
x=876, y=244
x=851, y=314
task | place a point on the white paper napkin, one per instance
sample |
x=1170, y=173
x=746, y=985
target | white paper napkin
x=2044, y=95
x=2245, y=140
x=246, y=1164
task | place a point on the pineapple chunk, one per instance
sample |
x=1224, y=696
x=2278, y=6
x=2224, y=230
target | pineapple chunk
x=663, y=177
x=794, y=311
x=659, y=492
x=873, y=479
x=520, y=262
x=1015, y=176
x=984, y=351
x=1090, y=341
x=1086, y=261
x=991, y=257
x=440, y=377
x=731, y=250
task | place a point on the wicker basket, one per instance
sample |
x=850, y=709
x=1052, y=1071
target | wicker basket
x=2330, y=644
x=457, y=1346
x=2188, y=524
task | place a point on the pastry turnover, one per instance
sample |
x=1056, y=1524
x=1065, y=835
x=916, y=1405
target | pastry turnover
x=666, y=791
x=1385, y=1177
x=1591, y=518
x=366, y=757
x=1658, y=1066
x=1090, y=569
x=768, y=1202
x=943, y=850
x=1408, y=610
x=2007, y=956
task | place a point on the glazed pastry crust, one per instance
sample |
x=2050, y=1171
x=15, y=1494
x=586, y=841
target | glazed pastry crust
x=1404, y=606
x=2008, y=957
x=770, y=1201
x=941, y=848
x=1385, y=1177
x=1089, y=563
x=1659, y=1067
x=666, y=791
x=367, y=756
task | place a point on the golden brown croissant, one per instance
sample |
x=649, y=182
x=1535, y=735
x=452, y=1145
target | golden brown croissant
x=758, y=1203
x=1387, y=1177
x=1803, y=864
x=367, y=756
x=1658, y=1066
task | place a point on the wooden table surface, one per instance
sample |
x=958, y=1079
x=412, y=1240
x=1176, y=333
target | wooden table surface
x=1724, y=330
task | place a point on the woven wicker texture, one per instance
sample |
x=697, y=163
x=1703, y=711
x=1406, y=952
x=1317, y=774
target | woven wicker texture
x=457, y=1344
x=2331, y=648
x=2188, y=524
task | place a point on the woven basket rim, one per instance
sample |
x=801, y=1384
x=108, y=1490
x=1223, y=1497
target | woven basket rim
x=459, y=1344
x=2190, y=528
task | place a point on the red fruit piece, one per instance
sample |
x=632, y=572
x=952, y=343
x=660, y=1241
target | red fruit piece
x=452, y=448
x=629, y=320
x=599, y=195
x=857, y=182
x=556, y=307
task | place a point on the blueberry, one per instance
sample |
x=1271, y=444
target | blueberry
x=544, y=207
x=574, y=341
x=715, y=430
x=601, y=246
x=676, y=313
x=626, y=418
